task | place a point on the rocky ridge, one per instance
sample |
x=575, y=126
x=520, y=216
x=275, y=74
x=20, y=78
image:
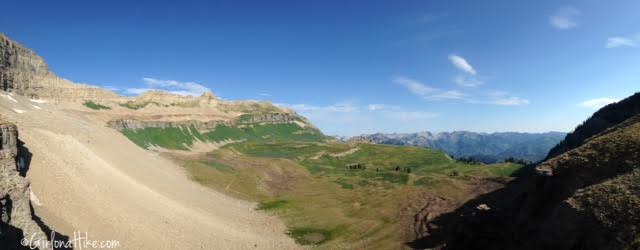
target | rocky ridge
x=604, y=118
x=16, y=220
x=122, y=124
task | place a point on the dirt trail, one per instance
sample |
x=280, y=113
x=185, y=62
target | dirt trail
x=90, y=178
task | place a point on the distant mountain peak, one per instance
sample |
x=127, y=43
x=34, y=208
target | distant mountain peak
x=486, y=147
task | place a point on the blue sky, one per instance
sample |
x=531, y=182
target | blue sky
x=354, y=67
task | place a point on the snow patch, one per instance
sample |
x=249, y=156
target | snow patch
x=19, y=111
x=38, y=101
x=34, y=199
x=10, y=98
x=36, y=107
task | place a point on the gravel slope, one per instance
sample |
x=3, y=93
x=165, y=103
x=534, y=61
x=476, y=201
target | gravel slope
x=90, y=178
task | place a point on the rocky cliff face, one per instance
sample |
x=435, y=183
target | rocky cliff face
x=122, y=124
x=25, y=73
x=269, y=118
x=16, y=219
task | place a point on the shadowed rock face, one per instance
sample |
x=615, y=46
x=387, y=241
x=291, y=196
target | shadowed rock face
x=585, y=198
x=15, y=209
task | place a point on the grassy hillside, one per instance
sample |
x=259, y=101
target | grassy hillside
x=329, y=194
x=183, y=137
x=336, y=195
x=95, y=106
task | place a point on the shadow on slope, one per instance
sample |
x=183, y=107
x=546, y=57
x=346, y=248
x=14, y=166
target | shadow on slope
x=58, y=240
x=481, y=223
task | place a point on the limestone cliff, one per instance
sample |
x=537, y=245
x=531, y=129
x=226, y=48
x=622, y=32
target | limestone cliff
x=133, y=123
x=25, y=73
x=122, y=124
x=16, y=219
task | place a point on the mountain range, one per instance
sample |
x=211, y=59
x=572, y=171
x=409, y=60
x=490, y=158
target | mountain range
x=484, y=147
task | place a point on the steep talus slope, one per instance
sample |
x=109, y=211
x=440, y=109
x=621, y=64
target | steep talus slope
x=607, y=116
x=15, y=209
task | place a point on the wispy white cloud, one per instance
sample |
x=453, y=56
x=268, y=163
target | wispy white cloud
x=468, y=78
x=348, y=118
x=428, y=92
x=510, y=101
x=264, y=94
x=503, y=98
x=597, y=103
x=171, y=86
x=415, y=86
x=376, y=107
x=467, y=81
x=340, y=107
x=348, y=108
x=620, y=41
x=449, y=94
x=565, y=18
x=462, y=64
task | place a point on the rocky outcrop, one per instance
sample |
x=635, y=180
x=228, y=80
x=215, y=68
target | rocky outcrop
x=360, y=139
x=16, y=219
x=25, y=73
x=268, y=118
x=132, y=123
x=124, y=124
